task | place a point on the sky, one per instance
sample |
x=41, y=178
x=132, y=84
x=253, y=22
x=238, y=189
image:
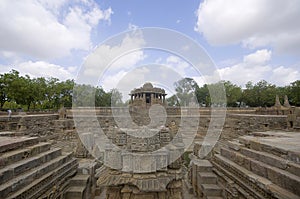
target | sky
x=247, y=40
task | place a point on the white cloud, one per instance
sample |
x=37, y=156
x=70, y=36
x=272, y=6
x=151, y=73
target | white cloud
x=256, y=67
x=259, y=57
x=284, y=76
x=254, y=23
x=35, y=28
x=132, y=26
x=124, y=54
x=177, y=64
x=42, y=69
x=125, y=81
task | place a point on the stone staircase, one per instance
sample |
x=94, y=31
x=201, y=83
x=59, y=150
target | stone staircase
x=261, y=166
x=32, y=169
x=83, y=184
x=204, y=181
x=78, y=187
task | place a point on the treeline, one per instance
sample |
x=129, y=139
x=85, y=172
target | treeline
x=260, y=94
x=23, y=92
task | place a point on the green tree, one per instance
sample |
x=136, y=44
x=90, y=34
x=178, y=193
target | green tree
x=84, y=95
x=38, y=89
x=233, y=94
x=202, y=94
x=3, y=90
x=116, y=98
x=294, y=93
x=173, y=101
x=185, y=90
x=52, y=94
x=65, y=90
x=260, y=94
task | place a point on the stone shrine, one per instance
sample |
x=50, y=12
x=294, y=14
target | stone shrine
x=147, y=95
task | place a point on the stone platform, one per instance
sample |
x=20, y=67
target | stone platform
x=260, y=165
x=32, y=169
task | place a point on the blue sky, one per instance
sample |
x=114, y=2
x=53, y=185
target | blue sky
x=248, y=40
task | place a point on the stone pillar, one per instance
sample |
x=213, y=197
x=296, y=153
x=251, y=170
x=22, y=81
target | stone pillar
x=151, y=98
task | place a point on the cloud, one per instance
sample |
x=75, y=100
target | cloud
x=259, y=57
x=124, y=54
x=253, y=23
x=42, y=69
x=177, y=64
x=125, y=81
x=41, y=30
x=132, y=26
x=256, y=67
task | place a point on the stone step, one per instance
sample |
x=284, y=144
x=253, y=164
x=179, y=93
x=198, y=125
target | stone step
x=20, y=154
x=234, y=145
x=284, y=150
x=272, y=160
x=214, y=197
x=211, y=190
x=36, y=172
x=56, y=178
x=206, y=178
x=75, y=192
x=188, y=186
x=79, y=180
x=202, y=165
x=250, y=180
x=22, y=166
x=278, y=176
x=13, y=143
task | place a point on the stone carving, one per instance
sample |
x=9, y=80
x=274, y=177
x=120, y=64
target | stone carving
x=286, y=102
x=277, y=102
x=62, y=113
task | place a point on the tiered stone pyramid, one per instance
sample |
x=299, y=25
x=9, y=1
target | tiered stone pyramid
x=32, y=169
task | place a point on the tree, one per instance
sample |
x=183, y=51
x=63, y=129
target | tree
x=39, y=87
x=3, y=90
x=84, y=95
x=185, y=89
x=294, y=93
x=260, y=94
x=102, y=99
x=65, y=90
x=233, y=94
x=116, y=98
x=202, y=94
x=52, y=93
x=173, y=101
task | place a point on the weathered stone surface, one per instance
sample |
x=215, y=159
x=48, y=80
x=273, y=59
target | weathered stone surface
x=32, y=169
x=264, y=165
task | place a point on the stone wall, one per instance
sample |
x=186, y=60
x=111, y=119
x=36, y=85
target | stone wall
x=32, y=125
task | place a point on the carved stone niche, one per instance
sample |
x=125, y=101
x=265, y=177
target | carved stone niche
x=121, y=138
